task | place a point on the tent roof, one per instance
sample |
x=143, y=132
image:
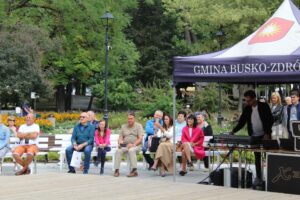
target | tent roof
x=270, y=54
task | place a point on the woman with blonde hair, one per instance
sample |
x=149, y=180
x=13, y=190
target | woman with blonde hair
x=277, y=109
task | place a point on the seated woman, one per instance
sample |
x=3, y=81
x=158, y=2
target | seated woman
x=206, y=128
x=163, y=156
x=102, y=140
x=11, y=122
x=192, y=141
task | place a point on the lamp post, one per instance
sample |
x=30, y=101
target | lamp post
x=220, y=37
x=105, y=19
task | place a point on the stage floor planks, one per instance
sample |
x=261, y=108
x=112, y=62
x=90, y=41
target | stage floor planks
x=78, y=186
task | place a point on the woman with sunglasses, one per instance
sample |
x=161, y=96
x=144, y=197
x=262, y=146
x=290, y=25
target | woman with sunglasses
x=102, y=139
x=192, y=141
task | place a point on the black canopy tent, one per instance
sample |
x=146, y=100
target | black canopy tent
x=269, y=55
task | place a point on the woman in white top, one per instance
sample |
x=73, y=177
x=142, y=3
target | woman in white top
x=163, y=156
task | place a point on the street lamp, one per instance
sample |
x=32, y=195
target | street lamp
x=105, y=19
x=221, y=39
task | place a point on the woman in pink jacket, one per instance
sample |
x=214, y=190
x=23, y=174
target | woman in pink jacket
x=102, y=140
x=192, y=141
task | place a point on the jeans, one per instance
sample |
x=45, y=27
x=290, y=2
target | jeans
x=87, y=150
x=102, y=154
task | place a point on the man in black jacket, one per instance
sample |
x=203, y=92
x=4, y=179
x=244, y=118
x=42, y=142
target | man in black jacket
x=259, y=119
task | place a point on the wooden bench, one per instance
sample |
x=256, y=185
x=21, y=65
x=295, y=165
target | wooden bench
x=43, y=146
x=209, y=154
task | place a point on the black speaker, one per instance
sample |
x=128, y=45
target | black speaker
x=217, y=177
x=234, y=178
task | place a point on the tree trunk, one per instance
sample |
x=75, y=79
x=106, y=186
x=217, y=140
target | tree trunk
x=60, y=98
x=77, y=88
x=187, y=35
x=90, y=103
x=83, y=89
x=68, y=101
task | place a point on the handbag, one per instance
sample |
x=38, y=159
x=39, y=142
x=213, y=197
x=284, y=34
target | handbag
x=179, y=146
x=76, y=159
x=154, y=144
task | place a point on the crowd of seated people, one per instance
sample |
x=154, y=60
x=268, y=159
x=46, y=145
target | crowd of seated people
x=89, y=133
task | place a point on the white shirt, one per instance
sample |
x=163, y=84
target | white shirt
x=168, y=133
x=29, y=129
x=191, y=132
x=257, y=126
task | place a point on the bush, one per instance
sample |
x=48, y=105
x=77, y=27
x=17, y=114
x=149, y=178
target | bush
x=158, y=96
x=208, y=98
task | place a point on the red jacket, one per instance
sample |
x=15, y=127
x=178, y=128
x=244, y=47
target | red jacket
x=197, y=137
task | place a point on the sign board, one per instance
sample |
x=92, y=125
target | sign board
x=283, y=173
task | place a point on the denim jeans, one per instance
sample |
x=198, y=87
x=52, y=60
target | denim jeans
x=102, y=153
x=87, y=150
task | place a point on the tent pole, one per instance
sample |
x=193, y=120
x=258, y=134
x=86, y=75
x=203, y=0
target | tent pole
x=174, y=132
x=219, y=118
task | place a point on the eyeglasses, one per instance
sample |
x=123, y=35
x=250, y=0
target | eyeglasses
x=11, y=120
x=82, y=117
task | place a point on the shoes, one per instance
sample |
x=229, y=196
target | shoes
x=133, y=173
x=72, y=171
x=153, y=169
x=27, y=171
x=23, y=172
x=205, y=170
x=101, y=170
x=182, y=173
x=117, y=173
x=190, y=165
x=163, y=175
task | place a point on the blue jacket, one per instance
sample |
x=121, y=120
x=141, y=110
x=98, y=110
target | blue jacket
x=289, y=116
x=82, y=134
x=4, y=136
x=149, y=128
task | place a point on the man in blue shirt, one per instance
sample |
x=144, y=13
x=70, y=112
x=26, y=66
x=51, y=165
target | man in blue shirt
x=83, y=141
x=92, y=119
x=293, y=111
x=151, y=128
x=180, y=123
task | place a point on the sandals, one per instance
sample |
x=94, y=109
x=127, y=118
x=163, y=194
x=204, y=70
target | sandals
x=153, y=169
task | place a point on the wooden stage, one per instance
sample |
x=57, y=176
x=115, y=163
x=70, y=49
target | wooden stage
x=78, y=186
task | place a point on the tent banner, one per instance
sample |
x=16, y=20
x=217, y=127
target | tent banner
x=255, y=69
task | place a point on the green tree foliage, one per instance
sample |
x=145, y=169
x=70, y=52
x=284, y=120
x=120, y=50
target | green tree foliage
x=155, y=96
x=21, y=54
x=208, y=99
x=78, y=26
x=121, y=95
x=153, y=33
x=201, y=20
